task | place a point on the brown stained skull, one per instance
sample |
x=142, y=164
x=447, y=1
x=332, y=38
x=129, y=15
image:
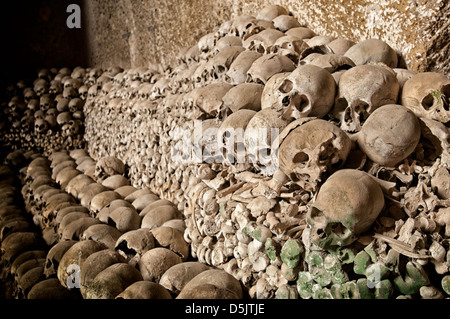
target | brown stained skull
x=362, y=90
x=347, y=204
x=428, y=95
x=262, y=41
x=308, y=91
x=309, y=148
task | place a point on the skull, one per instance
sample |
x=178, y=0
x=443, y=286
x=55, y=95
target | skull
x=40, y=87
x=231, y=136
x=69, y=93
x=390, y=134
x=108, y=166
x=45, y=102
x=220, y=63
x=372, y=50
x=62, y=105
x=133, y=244
x=363, y=89
x=33, y=105
x=237, y=72
x=41, y=126
x=78, y=73
x=271, y=94
x=27, y=122
x=301, y=32
x=92, y=92
x=332, y=62
x=270, y=12
x=289, y=46
x=83, y=92
x=63, y=118
x=348, y=203
x=55, y=88
x=244, y=96
x=261, y=140
x=428, y=95
x=262, y=41
x=75, y=104
x=54, y=256
x=308, y=91
x=267, y=65
x=28, y=95
x=71, y=128
x=308, y=150
x=285, y=22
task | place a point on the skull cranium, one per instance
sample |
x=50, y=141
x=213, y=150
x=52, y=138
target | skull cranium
x=347, y=205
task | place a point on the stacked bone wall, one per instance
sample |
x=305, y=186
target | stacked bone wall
x=150, y=31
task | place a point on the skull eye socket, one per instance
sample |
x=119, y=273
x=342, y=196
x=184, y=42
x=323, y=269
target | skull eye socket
x=428, y=101
x=286, y=86
x=300, y=158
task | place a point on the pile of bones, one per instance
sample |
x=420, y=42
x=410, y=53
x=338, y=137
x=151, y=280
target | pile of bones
x=268, y=161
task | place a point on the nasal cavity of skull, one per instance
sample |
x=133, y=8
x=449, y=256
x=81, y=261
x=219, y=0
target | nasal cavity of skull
x=359, y=110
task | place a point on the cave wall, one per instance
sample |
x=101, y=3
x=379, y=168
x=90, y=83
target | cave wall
x=133, y=33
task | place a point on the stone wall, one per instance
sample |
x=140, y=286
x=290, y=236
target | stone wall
x=133, y=33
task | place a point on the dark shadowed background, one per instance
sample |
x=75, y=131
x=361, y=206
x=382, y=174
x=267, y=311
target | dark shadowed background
x=34, y=35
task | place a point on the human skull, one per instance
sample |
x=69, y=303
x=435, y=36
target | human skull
x=220, y=63
x=428, y=95
x=41, y=126
x=347, y=204
x=69, y=93
x=55, y=88
x=363, y=89
x=284, y=22
x=289, y=46
x=262, y=41
x=372, y=50
x=133, y=244
x=237, y=72
x=75, y=104
x=63, y=118
x=308, y=150
x=28, y=95
x=270, y=12
x=71, y=128
x=231, y=136
x=308, y=91
x=261, y=140
x=40, y=87
x=83, y=92
x=244, y=96
x=390, y=134
x=45, y=102
x=268, y=65
x=108, y=166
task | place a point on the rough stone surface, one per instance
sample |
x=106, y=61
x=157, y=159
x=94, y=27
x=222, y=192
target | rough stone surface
x=135, y=33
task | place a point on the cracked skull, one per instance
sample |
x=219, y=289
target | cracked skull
x=363, y=89
x=347, y=205
x=308, y=150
